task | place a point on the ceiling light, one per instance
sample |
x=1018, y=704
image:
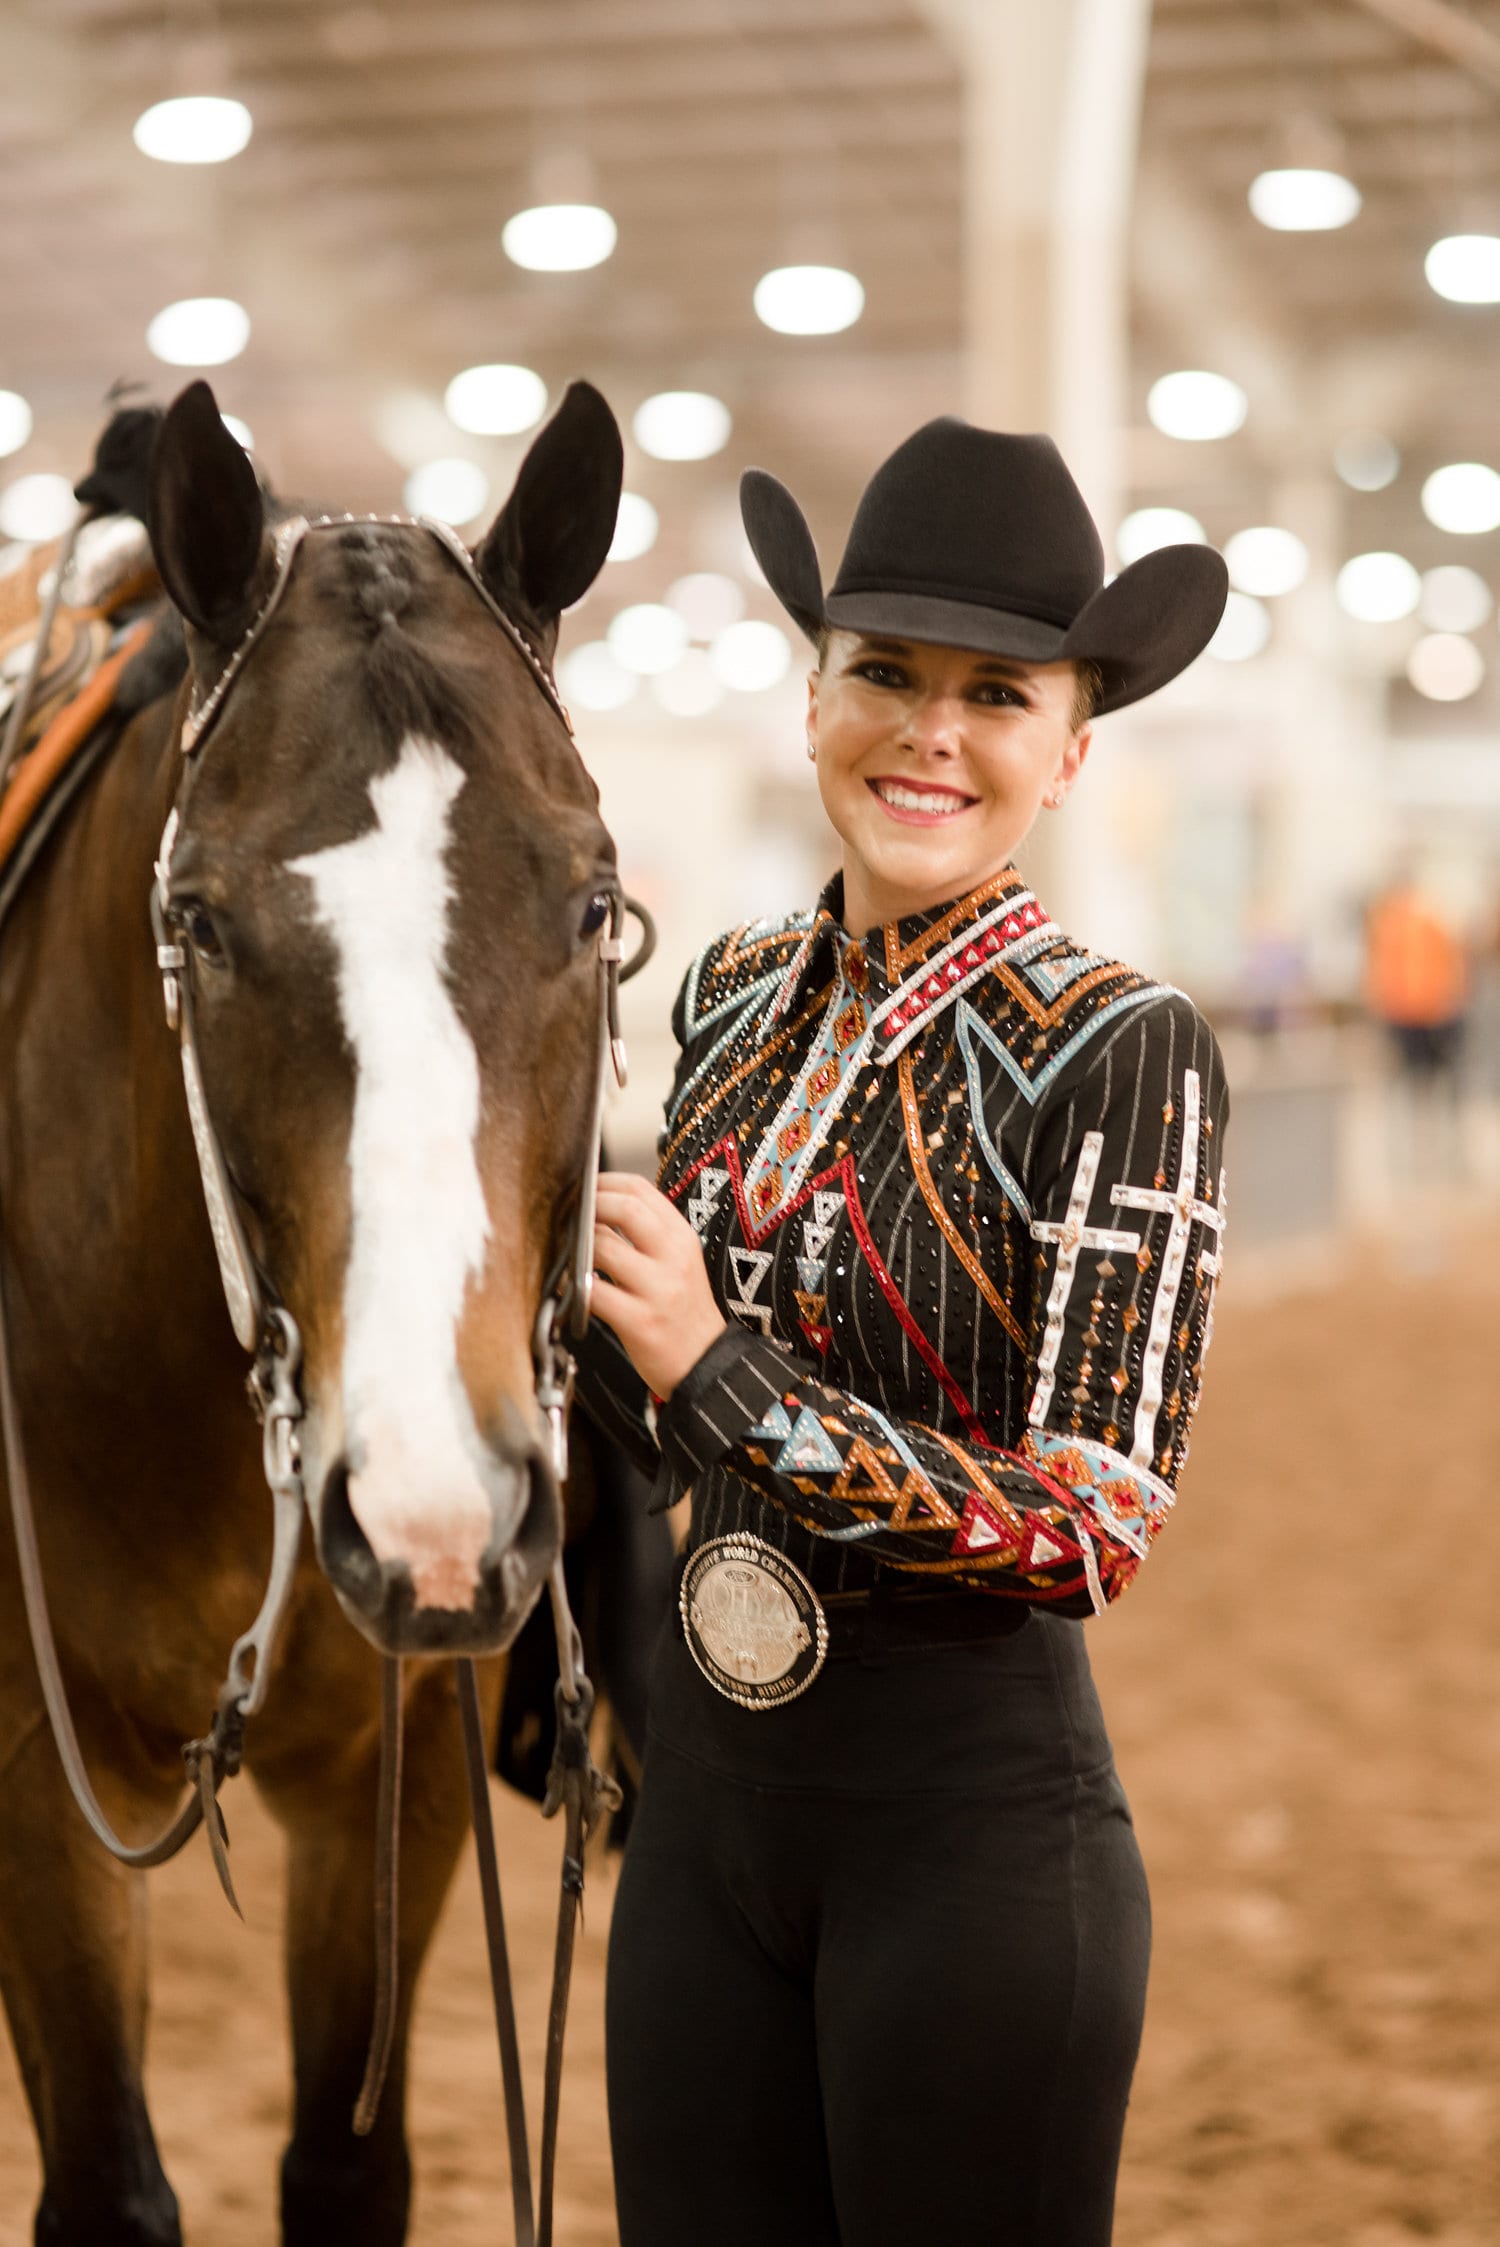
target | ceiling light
x=1266, y=561
x=37, y=507
x=199, y=331
x=1378, y=588
x=1455, y=599
x=1243, y=630
x=707, y=603
x=1196, y=405
x=1366, y=461
x=1445, y=667
x=682, y=425
x=195, y=129
x=809, y=299
x=648, y=637
x=752, y=656
x=15, y=422
x=495, y=401
x=1304, y=202
x=411, y=426
x=691, y=688
x=1465, y=268
x=1462, y=497
x=450, y=491
x=1149, y=528
x=559, y=237
x=239, y=430
x=594, y=678
x=636, y=527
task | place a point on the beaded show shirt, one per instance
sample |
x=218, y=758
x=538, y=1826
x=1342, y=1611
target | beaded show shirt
x=960, y=1194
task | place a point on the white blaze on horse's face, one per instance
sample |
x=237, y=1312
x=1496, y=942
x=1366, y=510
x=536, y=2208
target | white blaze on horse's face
x=420, y=1223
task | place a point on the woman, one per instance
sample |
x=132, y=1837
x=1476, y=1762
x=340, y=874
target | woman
x=920, y=1307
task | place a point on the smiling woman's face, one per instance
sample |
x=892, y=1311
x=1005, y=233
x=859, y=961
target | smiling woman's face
x=933, y=763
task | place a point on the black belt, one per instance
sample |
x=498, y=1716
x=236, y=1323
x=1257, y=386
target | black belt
x=869, y=1624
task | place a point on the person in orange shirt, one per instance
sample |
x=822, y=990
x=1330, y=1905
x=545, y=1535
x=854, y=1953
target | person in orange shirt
x=1417, y=983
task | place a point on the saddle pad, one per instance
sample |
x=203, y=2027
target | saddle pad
x=111, y=572
x=42, y=766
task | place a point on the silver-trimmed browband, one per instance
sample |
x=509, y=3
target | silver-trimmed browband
x=286, y=539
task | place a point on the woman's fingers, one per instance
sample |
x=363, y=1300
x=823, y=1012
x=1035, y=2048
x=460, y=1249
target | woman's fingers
x=619, y=1257
x=646, y=1217
x=626, y=1213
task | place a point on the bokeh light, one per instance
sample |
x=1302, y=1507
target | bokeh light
x=1297, y=201
x=647, y=637
x=1465, y=268
x=37, y=507
x=193, y=129
x=495, y=400
x=752, y=656
x=682, y=425
x=559, y=237
x=1463, y=497
x=451, y=490
x=594, y=678
x=1266, y=560
x=199, y=331
x=15, y=422
x=809, y=299
x=1196, y=405
x=636, y=528
x=1147, y=529
x=1455, y=599
x=1243, y=631
x=1378, y=588
x=1445, y=667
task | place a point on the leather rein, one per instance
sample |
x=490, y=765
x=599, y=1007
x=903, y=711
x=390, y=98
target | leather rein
x=267, y=1331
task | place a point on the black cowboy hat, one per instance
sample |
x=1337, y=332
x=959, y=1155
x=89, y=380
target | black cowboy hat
x=976, y=539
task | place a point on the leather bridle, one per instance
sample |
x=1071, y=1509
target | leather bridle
x=267, y=1331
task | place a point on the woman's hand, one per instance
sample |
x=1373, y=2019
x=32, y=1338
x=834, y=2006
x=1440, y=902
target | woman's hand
x=651, y=1285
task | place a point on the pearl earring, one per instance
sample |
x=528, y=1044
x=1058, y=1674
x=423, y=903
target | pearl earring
x=812, y=749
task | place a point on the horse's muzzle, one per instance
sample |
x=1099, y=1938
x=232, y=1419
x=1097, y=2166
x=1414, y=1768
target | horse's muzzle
x=379, y=1597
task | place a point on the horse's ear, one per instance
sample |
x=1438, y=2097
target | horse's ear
x=207, y=517
x=548, y=543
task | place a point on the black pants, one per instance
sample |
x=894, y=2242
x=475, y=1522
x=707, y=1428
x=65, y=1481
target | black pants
x=878, y=1960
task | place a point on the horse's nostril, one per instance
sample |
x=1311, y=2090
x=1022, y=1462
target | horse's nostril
x=344, y=1549
x=525, y=1560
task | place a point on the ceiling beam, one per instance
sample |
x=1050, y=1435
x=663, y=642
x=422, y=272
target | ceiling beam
x=1447, y=30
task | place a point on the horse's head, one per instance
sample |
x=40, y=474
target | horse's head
x=390, y=868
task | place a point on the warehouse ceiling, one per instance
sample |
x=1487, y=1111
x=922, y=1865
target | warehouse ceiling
x=361, y=229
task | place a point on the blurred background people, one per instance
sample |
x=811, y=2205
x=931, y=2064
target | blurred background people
x=1417, y=988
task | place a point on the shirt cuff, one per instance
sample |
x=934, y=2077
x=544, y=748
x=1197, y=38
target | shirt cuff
x=717, y=1402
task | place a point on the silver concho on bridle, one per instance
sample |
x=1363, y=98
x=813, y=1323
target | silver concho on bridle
x=752, y=1621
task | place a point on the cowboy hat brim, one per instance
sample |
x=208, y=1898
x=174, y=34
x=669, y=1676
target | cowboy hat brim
x=1142, y=629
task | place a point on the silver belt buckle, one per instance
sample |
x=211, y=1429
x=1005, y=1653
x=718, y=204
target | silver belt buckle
x=752, y=1621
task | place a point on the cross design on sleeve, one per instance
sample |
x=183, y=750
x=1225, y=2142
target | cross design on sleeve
x=1185, y=1207
x=1073, y=1234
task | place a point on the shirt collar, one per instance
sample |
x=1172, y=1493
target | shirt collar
x=888, y=956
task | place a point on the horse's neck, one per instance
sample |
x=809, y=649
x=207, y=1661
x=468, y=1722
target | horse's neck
x=90, y=1081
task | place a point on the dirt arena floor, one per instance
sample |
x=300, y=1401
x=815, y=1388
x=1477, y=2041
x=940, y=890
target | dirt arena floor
x=1302, y=1690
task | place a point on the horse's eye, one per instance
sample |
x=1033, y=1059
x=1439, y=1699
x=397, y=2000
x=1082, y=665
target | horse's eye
x=595, y=913
x=198, y=927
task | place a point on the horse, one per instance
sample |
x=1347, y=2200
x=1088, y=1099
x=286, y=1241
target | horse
x=386, y=874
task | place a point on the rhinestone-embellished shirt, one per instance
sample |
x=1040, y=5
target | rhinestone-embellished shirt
x=960, y=1193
